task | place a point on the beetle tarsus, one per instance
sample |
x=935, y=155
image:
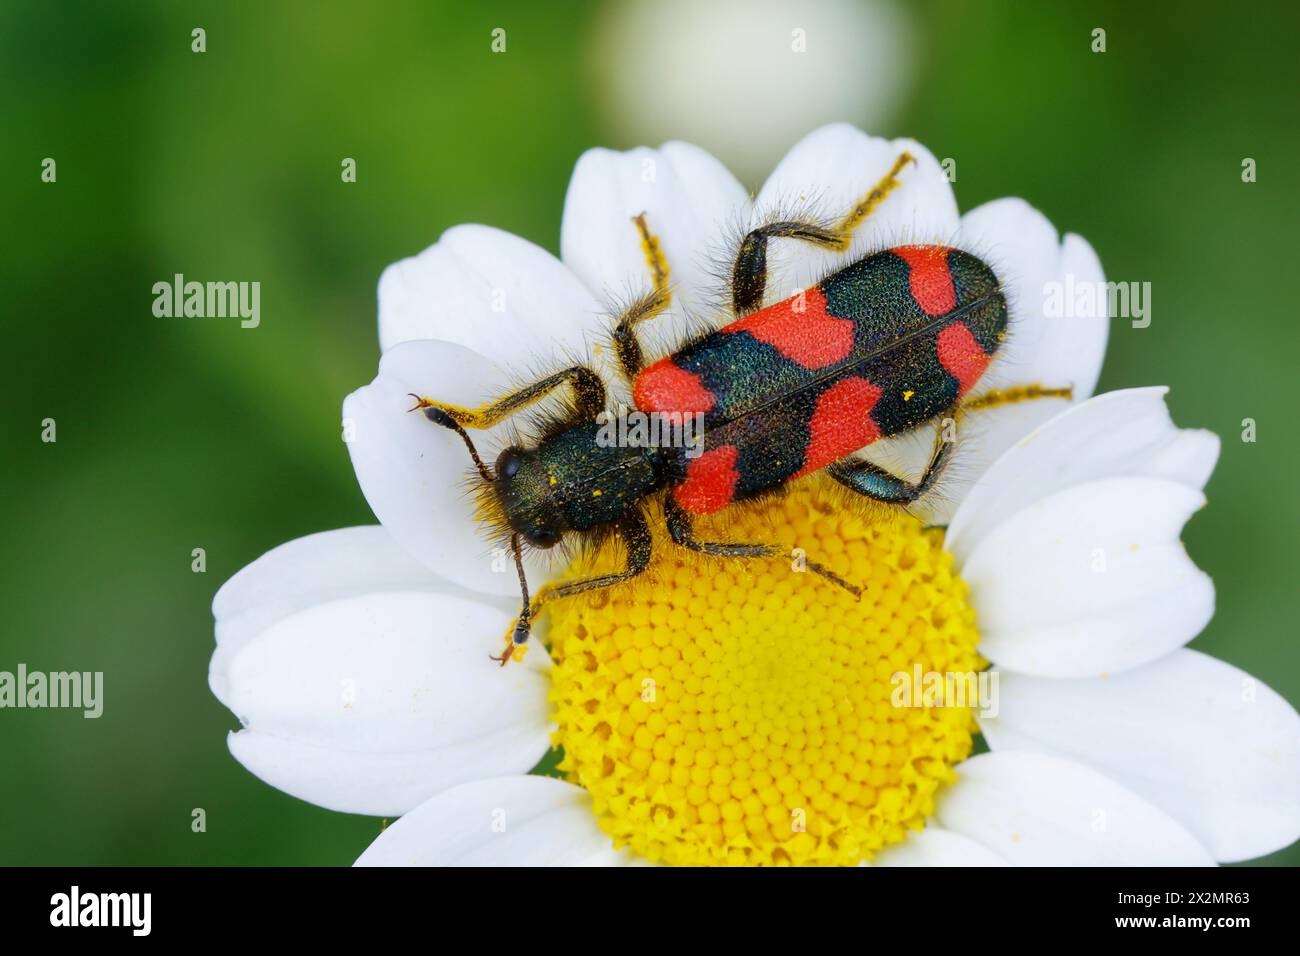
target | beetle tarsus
x=516, y=642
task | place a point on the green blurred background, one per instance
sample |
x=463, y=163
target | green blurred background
x=178, y=434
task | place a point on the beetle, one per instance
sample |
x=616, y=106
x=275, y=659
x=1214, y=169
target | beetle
x=882, y=346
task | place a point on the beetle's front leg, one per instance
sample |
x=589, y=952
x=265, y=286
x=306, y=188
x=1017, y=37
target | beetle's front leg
x=635, y=533
x=588, y=395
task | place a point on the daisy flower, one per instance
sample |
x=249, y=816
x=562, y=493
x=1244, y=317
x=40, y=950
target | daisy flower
x=729, y=712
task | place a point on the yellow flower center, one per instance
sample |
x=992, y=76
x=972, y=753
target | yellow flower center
x=731, y=711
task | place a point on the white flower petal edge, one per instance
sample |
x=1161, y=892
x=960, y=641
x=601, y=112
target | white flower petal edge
x=825, y=175
x=1027, y=255
x=1072, y=349
x=512, y=821
x=1079, y=570
x=413, y=472
x=372, y=702
x=1206, y=742
x=692, y=203
x=1091, y=580
x=1127, y=432
x=489, y=291
x=1036, y=810
x=935, y=846
x=312, y=570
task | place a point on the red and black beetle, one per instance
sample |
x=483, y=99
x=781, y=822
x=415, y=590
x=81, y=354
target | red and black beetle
x=884, y=345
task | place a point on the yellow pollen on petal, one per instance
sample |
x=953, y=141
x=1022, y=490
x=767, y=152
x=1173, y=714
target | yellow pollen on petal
x=732, y=711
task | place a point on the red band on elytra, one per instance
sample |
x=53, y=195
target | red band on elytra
x=667, y=387
x=962, y=356
x=930, y=278
x=801, y=330
x=710, y=481
x=842, y=422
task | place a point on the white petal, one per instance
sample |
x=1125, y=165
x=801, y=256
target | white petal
x=1042, y=346
x=414, y=473
x=512, y=821
x=1128, y=432
x=370, y=704
x=1023, y=249
x=1206, y=742
x=489, y=291
x=375, y=784
x=935, y=846
x=1035, y=810
x=691, y=203
x=825, y=175
x=1072, y=347
x=311, y=570
x=1090, y=580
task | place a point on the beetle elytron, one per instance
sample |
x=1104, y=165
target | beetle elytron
x=885, y=344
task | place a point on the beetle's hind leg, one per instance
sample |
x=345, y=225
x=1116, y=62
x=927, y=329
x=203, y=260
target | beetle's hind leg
x=879, y=484
x=636, y=538
x=1010, y=396
x=682, y=533
x=749, y=272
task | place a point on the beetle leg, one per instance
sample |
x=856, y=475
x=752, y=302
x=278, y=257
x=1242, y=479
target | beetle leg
x=873, y=198
x=588, y=393
x=680, y=530
x=749, y=273
x=655, y=259
x=635, y=533
x=874, y=482
x=1009, y=396
x=653, y=303
x=626, y=346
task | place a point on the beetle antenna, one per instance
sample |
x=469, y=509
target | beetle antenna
x=526, y=614
x=436, y=415
x=524, y=623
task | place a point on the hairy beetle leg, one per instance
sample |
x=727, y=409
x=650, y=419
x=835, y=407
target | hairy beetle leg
x=635, y=533
x=516, y=648
x=627, y=348
x=588, y=399
x=1009, y=396
x=749, y=271
x=683, y=534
